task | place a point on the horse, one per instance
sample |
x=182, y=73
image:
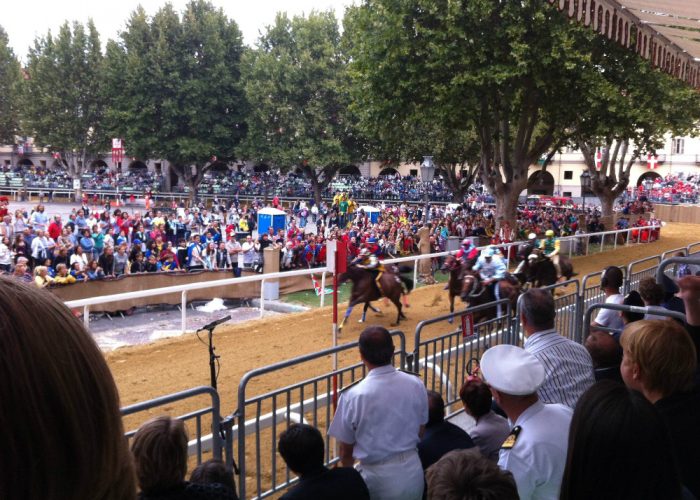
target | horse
x=455, y=267
x=474, y=293
x=365, y=290
x=541, y=271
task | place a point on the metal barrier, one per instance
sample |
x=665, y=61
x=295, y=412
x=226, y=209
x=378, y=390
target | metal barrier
x=200, y=443
x=661, y=268
x=634, y=277
x=442, y=362
x=693, y=249
x=658, y=311
x=310, y=400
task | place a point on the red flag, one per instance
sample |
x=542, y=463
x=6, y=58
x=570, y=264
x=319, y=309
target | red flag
x=598, y=159
x=117, y=150
x=652, y=161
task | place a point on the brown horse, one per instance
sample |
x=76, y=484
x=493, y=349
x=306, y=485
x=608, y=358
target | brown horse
x=365, y=290
x=454, y=286
x=475, y=293
x=540, y=270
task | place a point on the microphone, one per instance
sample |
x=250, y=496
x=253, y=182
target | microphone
x=216, y=323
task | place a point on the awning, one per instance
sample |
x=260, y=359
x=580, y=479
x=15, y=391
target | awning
x=666, y=32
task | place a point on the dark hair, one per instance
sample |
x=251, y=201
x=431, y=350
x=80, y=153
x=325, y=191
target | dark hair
x=59, y=407
x=376, y=345
x=211, y=472
x=476, y=396
x=612, y=277
x=436, y=408
x=466, y=475
x=633, y=299
x=651, y=291
x=619, y=448
x=538, y=308
x=160, y=454
x=301, y=446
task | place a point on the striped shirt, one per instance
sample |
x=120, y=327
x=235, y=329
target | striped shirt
x=568, y=367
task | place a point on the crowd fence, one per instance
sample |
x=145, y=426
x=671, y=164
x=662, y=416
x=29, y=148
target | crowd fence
x=443, y=363
x=85, y=303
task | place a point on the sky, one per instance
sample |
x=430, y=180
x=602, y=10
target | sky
x=25, y=21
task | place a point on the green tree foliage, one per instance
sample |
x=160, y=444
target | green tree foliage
x=174, y=88
x=10, y=78
x=629, y=108
x=507, y=69
x=296, y=84
x=62, y=105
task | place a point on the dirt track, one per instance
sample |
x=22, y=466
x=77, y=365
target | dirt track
x=148, y=371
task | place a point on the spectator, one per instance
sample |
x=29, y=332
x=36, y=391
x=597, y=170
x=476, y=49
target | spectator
x=160, y=457
x=490, y=429
x=466, y=475
x=213, y=472
x=612, y=425
x=606, y=353
x=632, y=299
x=20, y=272
x=95, y=272
x=690, y=294
x=379, y=422
x=659, y=360
x=610, y=283
x=41, y=277
x=652, y=294
x=5, y=254
x=535, y=450
x=301, y=447
x=568, y=366
x=58, y=401
x=62, y=276
x=440, y=436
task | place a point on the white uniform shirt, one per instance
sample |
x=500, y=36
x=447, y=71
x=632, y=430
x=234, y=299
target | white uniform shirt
x=538, y=457
x=609, y=318
x=381, y=415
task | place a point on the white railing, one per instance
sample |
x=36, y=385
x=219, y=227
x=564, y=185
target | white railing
x=183, y=289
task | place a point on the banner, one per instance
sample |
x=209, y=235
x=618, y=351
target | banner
x=317, y=287
x=117, y=151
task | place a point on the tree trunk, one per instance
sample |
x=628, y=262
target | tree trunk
x=507, y=205
x=607, y=200
x=316, y=187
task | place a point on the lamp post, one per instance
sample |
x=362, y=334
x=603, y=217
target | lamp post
x=585, y=186
x=427, y=172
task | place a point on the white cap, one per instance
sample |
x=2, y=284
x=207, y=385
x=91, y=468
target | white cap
x=512, y=370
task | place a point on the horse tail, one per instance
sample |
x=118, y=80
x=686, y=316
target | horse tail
x=406, y=281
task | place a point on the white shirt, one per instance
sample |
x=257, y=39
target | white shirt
x=381, y=415
x=538, y=457
x=609, y=318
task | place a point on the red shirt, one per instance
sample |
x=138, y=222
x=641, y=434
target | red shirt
x=55, y=229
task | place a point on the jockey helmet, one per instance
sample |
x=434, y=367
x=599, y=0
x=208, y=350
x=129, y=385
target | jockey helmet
x=364, y=252
x=549, y=233
x=466, y=242
x=531, y=236
x=489, y=252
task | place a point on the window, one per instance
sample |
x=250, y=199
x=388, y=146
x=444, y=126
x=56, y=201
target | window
x=159, y=168
x=43, y=163
x=413, y=172
x=567, y=194
x=568, y=175
x=678, y=146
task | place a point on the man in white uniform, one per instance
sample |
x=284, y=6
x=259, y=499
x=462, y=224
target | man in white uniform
x=535, y=450
x=379, y=421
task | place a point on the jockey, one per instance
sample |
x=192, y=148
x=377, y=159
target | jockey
x=373, y=247
x=531, y=245
x=491, y=269
x=550, y=249
x=467, y=251
x=368, y=261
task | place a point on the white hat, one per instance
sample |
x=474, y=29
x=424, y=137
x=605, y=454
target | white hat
x=512, y=370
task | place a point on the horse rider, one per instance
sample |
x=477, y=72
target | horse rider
x=550, y=249
x=492, y=269
x=369, y=261
x=530, y=246
x=467, y=252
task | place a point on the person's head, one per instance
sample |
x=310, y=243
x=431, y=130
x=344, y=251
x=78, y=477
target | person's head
x=652, y=293
x=658, y=358
x=40, y=271
x=467, y=475
x=376, y=346
x=632, y=299
x=537, y=310
x=611, y=279
x=58, y=400
x=618, y=444
x=213, y=472
x=436, y=408
x=476, y=397
x=604, y=348
x=61, y=270
x=160, y=454
x=301, y=447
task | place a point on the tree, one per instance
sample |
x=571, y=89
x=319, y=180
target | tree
x=296, y=84
x=10, y=78
x=175, y=89
x=62, y=99
x=504, y=68
x=629, y=109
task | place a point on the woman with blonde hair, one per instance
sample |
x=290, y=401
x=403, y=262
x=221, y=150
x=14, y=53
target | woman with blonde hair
x=62, y=431
x=41, y=276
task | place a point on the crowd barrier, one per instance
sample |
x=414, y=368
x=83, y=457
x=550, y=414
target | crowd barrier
x=88, y=302
x=443, y=362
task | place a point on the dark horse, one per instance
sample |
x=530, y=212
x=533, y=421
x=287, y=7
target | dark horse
x=365, y=290
x=540, y=270
x=456, y=268
x=475, y=293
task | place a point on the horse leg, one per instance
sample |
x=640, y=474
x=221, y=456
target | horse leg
x=452, y=308
x=364, y=313
x=397, y=303
x=347, y=315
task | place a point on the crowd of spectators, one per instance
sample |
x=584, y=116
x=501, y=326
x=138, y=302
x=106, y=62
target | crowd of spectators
x=673, y=188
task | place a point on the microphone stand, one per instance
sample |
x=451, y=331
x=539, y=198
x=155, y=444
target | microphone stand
x=213, y=357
